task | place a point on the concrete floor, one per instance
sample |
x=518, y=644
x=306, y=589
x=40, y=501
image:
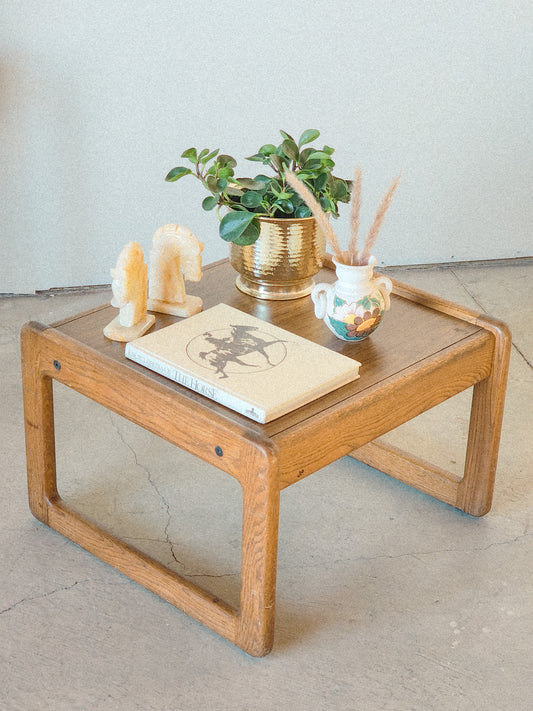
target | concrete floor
x=387, y=599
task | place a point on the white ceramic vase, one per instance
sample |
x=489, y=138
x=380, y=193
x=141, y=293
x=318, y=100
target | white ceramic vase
x=353, y=306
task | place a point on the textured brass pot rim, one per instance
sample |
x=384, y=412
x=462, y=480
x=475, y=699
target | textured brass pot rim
x=267, y=218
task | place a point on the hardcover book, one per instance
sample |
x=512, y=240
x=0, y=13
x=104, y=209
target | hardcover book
x=248, y=365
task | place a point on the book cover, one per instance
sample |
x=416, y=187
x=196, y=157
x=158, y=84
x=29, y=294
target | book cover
x=248, y=365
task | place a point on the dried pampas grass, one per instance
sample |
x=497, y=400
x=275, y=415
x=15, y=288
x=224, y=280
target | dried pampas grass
x=352, y=256
x=355, y=209
x=364, y=256
x=318, y=213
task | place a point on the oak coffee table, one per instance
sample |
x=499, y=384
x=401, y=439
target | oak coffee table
x=425, y=351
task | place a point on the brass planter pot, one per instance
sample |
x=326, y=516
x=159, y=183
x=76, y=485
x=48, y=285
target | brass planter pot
x=282, y=263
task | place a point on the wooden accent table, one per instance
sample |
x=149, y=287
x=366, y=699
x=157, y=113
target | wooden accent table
x=425, y=351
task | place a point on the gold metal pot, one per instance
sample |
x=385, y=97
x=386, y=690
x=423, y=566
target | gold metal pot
x=283, y=261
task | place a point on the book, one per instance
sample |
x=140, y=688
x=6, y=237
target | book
x=249, y=365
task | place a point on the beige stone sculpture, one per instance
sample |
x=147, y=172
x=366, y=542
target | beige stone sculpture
x=176, y=255
x=129, y=295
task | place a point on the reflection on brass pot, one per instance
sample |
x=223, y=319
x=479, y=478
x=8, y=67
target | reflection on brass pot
x=283, y=261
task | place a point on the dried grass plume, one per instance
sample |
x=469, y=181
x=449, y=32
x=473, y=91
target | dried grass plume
x=318, y=213
x=352, y=256
x=364, y=256
x=355, y=205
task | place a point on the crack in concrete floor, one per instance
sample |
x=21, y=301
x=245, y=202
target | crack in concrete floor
x=166, y=506
x=484, y=310
x=25, y=600
x=152, y=483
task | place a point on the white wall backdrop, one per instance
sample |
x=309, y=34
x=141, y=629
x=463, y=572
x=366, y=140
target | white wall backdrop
x=98, y=100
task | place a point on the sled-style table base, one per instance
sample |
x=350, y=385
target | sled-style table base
x=425, y=351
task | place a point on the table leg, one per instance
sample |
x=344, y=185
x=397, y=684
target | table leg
x=476, y=488
x=251, y=627
x=39, y=428
x=473, y=492
x=261, y=494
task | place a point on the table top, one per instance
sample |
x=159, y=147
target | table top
x=414, y=332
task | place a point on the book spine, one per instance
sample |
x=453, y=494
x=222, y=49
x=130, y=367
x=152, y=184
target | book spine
x=203, y=387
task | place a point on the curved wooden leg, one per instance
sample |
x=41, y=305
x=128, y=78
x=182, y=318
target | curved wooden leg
x=473, y=493
x=39, y=425
x=475, y=490
x=252, y=626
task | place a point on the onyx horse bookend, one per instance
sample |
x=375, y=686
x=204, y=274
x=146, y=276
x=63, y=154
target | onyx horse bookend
x=176, y=256
x=129, y=295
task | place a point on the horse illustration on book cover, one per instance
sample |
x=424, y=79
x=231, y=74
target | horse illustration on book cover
x=238, y=348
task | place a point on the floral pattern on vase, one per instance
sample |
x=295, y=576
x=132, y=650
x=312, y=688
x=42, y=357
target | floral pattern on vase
x=355, y=321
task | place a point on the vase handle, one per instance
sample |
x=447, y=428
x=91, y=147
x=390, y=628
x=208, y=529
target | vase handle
x=384, y=284
x=321, y=296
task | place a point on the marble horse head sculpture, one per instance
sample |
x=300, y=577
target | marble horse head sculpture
x=130, y=284
x=176, y=256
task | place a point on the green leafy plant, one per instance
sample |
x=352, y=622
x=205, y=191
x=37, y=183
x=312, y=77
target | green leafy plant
x=248, y=199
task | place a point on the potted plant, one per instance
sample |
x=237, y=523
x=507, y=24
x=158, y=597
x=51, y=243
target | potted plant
x=275, y=243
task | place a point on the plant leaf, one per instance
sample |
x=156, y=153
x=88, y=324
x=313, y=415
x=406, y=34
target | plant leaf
x=191, y=154
x=251, y=199
x=263, y=178
x=234, y=190
x=304, y=155
x=225, y=160
x=249, y=183
x=249, y=236
x=320, y=182
x=208, y=157
x=262, y=186
x=290, y=149
x=318, y=155
x=325, y=203
x=210, y=202
x=267, y=149
x=339, y=189
x=287, y=136
x=212, y=183
x=302, y=211
x=304, y=175
x=307, y=136
x=285, y=206
x=277, y=162
x=235, y=224
x=225, y=172
x=177, y=173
